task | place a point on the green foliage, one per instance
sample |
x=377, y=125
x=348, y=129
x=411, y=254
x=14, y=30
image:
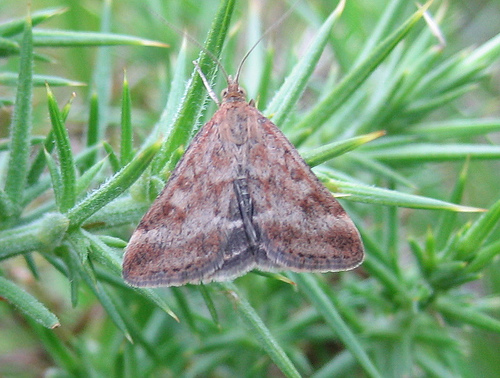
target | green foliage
x=409, y=122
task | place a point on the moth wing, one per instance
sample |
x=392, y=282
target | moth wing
x=302, y=226
x=193, y=231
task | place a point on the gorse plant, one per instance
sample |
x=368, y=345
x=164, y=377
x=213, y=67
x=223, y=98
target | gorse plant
x=390, y=110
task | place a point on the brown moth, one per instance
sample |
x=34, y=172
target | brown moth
x=240, y=198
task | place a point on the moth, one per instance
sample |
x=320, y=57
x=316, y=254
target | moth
x=240, y=198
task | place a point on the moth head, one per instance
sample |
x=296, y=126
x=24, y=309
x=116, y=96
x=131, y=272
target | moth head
x=233, y=92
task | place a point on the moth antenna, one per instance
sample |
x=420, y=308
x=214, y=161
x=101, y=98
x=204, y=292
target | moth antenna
x=267, y=32
x=195, y=42
x=210, y=91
